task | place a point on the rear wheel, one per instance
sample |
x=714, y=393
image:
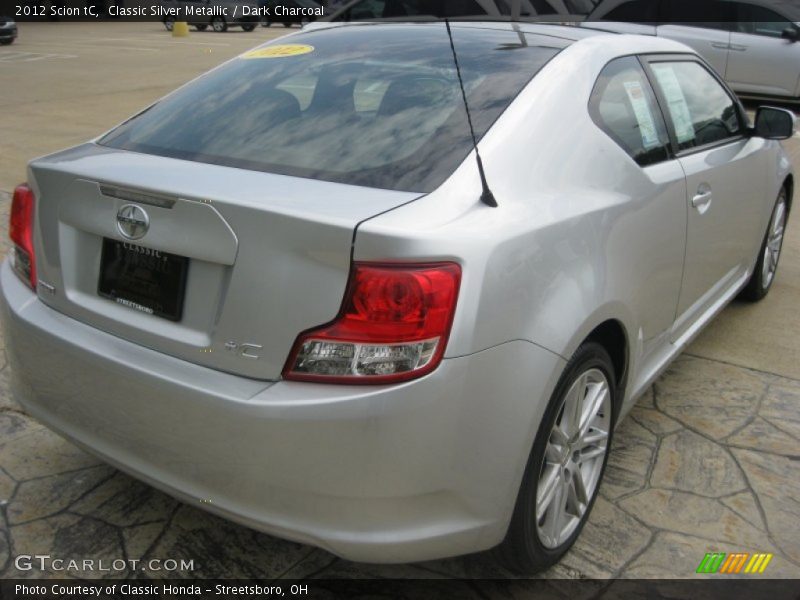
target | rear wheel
x=287, y=24
x=769, y=254
x=201, y=27
x=219, y=25
x=566, y=465
x=265, y=22
x=249, y=28
x=169, y=23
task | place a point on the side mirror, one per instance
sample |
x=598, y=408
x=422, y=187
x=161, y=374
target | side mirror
x=774, y=123
x=791, y=33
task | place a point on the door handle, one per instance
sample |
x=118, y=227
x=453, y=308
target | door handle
x=738, y=48
x=703, y=199
x=720, y=45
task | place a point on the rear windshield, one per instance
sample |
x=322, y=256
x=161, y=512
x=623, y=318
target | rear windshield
x=370, y=105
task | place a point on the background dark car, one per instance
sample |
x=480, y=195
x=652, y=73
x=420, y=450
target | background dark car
x=8, y=30
x=309, y=7
x=560, y=10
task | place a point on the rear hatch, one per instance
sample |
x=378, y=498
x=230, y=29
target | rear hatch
x=234, y=264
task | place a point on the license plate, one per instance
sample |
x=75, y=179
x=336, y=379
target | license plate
x=144, y=279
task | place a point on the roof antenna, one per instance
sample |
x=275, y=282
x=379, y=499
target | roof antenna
x=486, y=195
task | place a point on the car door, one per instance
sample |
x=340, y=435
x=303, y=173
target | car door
x=761, y=60
x=624, y=106
x=725, y=174
x=703, y=25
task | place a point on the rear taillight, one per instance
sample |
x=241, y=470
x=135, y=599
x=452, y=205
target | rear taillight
x=20, y=230
x=393, y=326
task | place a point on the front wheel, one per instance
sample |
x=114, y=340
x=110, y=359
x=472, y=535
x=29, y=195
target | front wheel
x=219, y=25
x=249, y=28
x=169, y=23
x=566, y=465
x=769, y=254
x=201, y=26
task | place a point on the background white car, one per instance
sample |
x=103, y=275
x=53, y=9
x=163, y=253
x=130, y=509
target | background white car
x=753, y=44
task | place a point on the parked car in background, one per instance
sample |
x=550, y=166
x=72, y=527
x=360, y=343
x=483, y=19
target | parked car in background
x=290, y=292
x=8, y=30
x=234, y=15
x=291, y=11
x=753, y=44
x=367, y=10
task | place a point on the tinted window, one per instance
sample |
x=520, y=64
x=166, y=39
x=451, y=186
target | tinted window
x=697, y=10
x=703, y=13
x=761, y=21
x=634, y=11
x=388, y=9
x=530, y=8
x=701, y=110
x=377, y=106
x=624, y=106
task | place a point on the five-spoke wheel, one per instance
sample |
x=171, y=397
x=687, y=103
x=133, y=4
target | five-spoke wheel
x=566, y=464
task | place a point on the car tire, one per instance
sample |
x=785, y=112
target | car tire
x=249, y=28
x=169, y=23
x=287, y=24
x=769, y=253
x=568, y=467
x=265, y=22
x=201, y=26
x=219, y=25
x=6, y=42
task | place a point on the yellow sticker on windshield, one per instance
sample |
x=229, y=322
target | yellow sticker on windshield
x=278, y=51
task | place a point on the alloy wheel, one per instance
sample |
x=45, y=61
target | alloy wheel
x=772, y=249
x=574, y=458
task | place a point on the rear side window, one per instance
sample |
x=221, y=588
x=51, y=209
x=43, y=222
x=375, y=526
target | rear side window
x=758, y=20
x=700, y=109
x=713, y=14
x=372, y=105
x=392, y=9
x=530, y=8
x=624, y=106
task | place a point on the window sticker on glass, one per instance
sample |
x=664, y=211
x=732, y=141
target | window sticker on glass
x=644, y=117
x=677, y=102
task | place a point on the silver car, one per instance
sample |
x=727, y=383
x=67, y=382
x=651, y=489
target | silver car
x=293, y=293
x=753, y=44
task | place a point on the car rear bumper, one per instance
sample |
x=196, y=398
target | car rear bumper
x=415, y=471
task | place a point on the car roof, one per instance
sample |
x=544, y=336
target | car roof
x=560, y=36
x=553, y=35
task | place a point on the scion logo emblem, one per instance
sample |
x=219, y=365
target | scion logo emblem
x=132, y=221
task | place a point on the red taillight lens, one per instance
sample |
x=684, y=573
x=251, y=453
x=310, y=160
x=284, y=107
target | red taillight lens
x=20, y=230
x=393, y=326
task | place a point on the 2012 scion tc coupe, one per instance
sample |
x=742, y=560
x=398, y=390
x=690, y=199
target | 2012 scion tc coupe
x=388, y=288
